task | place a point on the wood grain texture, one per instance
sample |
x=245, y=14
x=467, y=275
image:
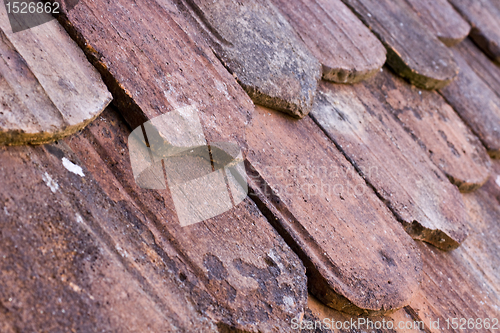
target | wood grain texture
x=260, y=48
x=152, y=69
x=347, y=50
x=48, y=89
x=195, y=76
x=412, y=51
x=438, y=130
x=330, y=217
x=481, y=64
x=418, y=193
x=120, y=255
x=476, y=104
x=74, y=260
x=459, y=284
x=239, y=271
x=484, y=18
x=442, y=20
x=464, y=283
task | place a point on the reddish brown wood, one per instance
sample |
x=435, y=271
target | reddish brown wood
x=476, y=104
x=464, y=284
x=458, y=284
x=72, y=259
x=481, y=64
x=347, y=50
x=412, y=51
x=157, y=67
x=419, y=194
x=117, y=257
x=436, y=128
x=484, y=18
x=358, y=258
x=119, y=266
x=236, y=263
x=196, y=76
x=442, y=20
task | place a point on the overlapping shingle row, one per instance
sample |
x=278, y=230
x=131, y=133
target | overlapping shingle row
x=412, y=51
x=383, y=157
x=259, y=47
x=330, y=216
x=418, y=193
x=477, y=104
x=230, y=267
x=436, y=128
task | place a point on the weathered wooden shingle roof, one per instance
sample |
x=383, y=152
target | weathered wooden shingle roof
x=370, y=193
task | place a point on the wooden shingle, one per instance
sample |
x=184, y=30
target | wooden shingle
x=418, y=193
x=195, y=76
x=412, y=51
x=48, y=90
x=347, y=50
x=74, y=259
x=260, y=48
x=442, y=20
x=481, y=64
x=476, y=104
x=436, y=128
x=484, y=18
x=359, y=260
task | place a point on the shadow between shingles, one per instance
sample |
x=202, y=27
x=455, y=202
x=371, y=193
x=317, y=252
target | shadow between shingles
x=358, y=258
x=417, y=192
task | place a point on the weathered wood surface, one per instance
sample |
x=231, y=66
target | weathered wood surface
x=347, y=50
x=438, y=130
x=48, y=89
x=429, y=206
x=476, y=104
x=195, y=76
x=412, y=51
x=75, y=260
x=118, y=257
x=484, y=18
x=260, y=48
x=241, y=272
x=481, y=64
x=152, y=69
x=460, y=284
x=442, y=20
x=358, y=258
x=464, y=283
